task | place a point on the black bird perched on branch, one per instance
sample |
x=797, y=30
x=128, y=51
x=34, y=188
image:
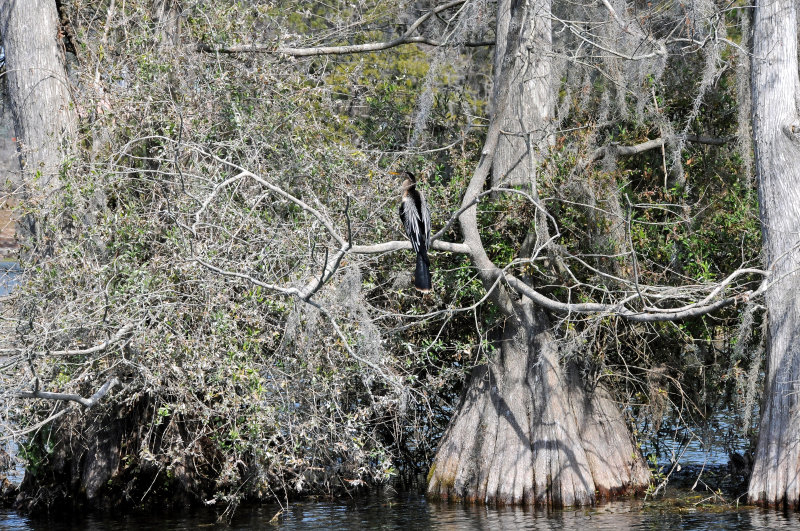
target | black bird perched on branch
x=417, y=221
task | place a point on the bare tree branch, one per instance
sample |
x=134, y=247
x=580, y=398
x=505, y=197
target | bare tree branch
x=276, y=189
x=672, y=314
x=36, y=426
x=634, y=30
x=86, y=402
x=331, y=50
x=118, y=335
x=405, y=38
x=655, y=143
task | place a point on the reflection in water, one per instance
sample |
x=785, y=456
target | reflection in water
x=708, y=444
x=408, y=512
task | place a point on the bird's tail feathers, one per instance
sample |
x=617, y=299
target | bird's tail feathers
x=422, y=274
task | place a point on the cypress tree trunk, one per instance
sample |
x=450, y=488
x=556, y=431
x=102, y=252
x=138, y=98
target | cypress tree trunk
x=530, y=99
x=527, y=432
x=776, y=473
x=38, y=88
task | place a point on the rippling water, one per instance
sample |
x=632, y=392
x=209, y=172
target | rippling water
x=410, y=512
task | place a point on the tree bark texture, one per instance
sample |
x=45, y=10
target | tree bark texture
x=530, y=99
x=38, y=88
x=776, y=128
x=527, y=432
x=167, y=16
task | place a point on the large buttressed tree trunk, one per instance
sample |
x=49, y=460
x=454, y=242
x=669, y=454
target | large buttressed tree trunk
x=38, y=89
x=527, y=431
x=776, y=124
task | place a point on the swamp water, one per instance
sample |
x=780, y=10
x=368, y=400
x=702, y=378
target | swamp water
x=412, y=511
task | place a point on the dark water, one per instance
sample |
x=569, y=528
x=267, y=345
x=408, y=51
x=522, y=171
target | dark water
x=410, y=512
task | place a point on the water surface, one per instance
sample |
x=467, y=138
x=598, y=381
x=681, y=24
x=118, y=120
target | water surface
x=412, y=511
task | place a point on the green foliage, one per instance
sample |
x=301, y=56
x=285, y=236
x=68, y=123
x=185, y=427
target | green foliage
x=36, y=453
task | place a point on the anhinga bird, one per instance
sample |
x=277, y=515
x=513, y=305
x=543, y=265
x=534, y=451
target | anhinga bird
x=417, y=221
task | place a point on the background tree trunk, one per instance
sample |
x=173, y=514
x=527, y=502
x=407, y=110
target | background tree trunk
x=38, y=88
x=167, y=16
x=38, y=92
x=527, y=431
x=530, y=98
x=776, y=473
